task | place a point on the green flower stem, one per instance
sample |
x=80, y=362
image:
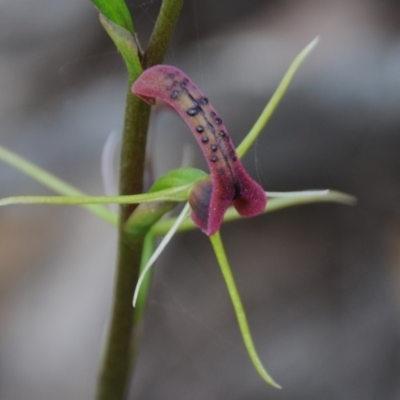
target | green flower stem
x=114, y=374
x=120, y=352
x=275, y=100
x=162, y=32
x=239, y=310
x=52, y=182
x=163, y=226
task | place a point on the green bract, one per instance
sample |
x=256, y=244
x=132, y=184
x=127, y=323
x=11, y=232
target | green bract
x=126, y=44
x=116, y=11
x=178, y=177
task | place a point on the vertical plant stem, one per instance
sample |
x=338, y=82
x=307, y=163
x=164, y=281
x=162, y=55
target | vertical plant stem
x=166, y=21
x=118, y=353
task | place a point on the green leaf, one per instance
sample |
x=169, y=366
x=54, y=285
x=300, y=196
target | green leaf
x=126, y=45
x=178, y=177
x=117, y=12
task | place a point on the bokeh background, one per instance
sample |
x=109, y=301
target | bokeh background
x=320, y=283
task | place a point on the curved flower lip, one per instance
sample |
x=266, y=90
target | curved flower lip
x=229, y=184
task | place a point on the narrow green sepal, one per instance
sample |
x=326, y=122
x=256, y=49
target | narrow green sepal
x=126, y=45
x=117, y=12
x=223, y=262
x=276, y=98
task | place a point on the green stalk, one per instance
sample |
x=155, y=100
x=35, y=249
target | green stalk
x=118, y=353
x=162, y=32
x=114, y=375
x=239, y=310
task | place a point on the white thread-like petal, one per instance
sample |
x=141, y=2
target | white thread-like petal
x=184, y=213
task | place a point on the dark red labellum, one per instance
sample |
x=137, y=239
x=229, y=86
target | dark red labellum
x=229, y=184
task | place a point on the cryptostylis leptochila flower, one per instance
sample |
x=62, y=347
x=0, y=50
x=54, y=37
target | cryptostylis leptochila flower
x=229, y=184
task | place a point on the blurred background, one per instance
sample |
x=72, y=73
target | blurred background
x=320, y=283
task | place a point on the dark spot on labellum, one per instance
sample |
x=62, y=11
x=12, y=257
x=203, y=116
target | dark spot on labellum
x=237, y=191
x=213, y=113
x=192, y=111
x=218, y=121
x=222, y=133
x=214, y=158
x=171, y=75
x=205, y=139
x=232, y=153
x=214, y=147
x=203, y=101
x=175, y=94
x=199, y=129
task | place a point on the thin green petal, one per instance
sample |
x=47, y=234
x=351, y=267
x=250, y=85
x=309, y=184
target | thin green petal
x=239, y=310
x=275, y=100
x=148, y=250
x=52, y=182
x=175, y=194
x=181, y=217
x=161, y=227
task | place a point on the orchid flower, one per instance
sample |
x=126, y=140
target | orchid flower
x=230, y=184
x=209, y=196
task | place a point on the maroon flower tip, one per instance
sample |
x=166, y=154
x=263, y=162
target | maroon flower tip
x=229, y=184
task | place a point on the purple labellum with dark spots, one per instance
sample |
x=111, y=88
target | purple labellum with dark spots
x=229, y=183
